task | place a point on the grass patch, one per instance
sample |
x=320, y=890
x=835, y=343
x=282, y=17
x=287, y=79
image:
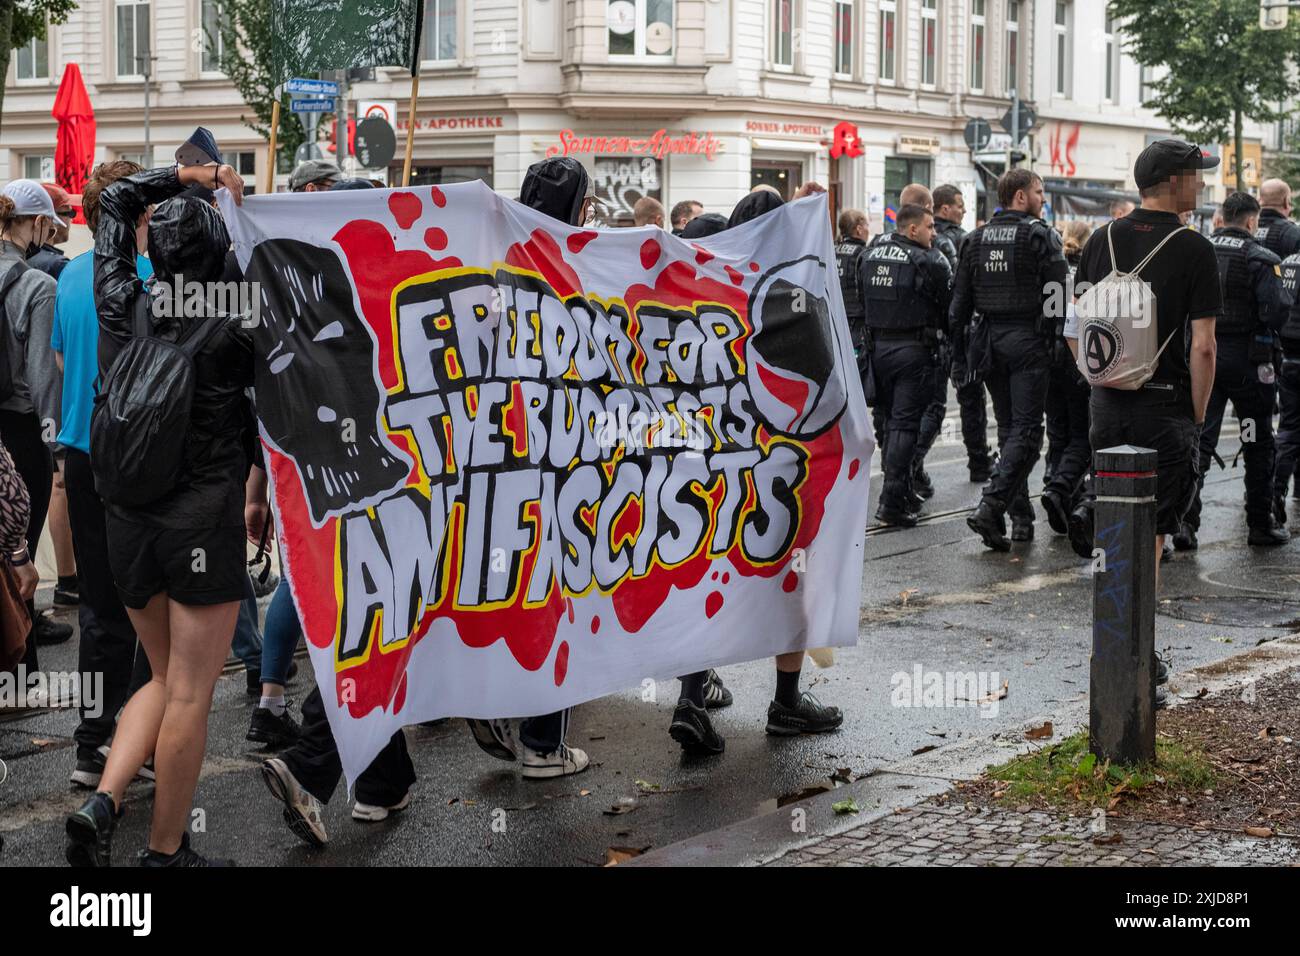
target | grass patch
x=1067, y=774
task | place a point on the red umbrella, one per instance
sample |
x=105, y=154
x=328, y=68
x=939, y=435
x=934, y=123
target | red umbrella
x=74, y=155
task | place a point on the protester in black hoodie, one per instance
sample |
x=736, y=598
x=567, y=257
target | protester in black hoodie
x=179, y=563
x=790, y=712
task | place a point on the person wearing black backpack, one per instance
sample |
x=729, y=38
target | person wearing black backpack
x=171, y=470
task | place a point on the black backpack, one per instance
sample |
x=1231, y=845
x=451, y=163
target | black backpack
x=7, y=373
x=142, y=411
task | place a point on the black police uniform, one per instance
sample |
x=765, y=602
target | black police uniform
x=937, y=409
x=906, y=291
x=1278, y=234
x=1287, y=458
x=1008, y=266
x=1068, y=449
x=847, y=251
x=971, y=395
x=1251, y=281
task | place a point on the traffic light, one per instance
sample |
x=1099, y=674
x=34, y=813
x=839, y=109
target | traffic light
x=331, y=146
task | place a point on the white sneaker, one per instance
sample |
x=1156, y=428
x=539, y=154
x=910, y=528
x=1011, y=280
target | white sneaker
x=558, y=763
x=302, y=811
x=88, y=772
x=369, y=813
x=496, y=737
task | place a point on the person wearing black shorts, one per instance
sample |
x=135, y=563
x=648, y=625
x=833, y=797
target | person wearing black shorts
x=179, y=562
x=1166, y=414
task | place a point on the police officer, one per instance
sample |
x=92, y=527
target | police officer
x=1250, y=277
x=906, y=290
x=854, y=233
x=1288, y=426
x=949, y=211
x=1008, y=268
x=1276, y=231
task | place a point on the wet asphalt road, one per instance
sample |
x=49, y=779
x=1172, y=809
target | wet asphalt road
x=931, y=596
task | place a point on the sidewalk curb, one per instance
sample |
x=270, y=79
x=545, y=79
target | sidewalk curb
x=913, y=780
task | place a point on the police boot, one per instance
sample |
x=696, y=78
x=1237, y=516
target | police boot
x=1022, y=529
x=1185, y=539
x=991, y=526
x=1268, y=535
x=981, y=469
x=913, y=502
x=1058, y=511
x=1279, y=509
x=1080, y=530
x=921, y=483
x=896, y=517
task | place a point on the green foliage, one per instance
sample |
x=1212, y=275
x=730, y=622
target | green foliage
x=21, y=21
x=1222, y=68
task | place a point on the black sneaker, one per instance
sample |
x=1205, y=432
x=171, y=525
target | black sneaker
x=90, y=832
x=896, y=517
x=1022, y=530
x=495, y=737
x=1080, y=531
x=1167, y=551
x=1268, y=535
x=266, y=728
x=716, y=696
x=1279, y=508
x=809, y=716
x=46, y=630
x=90, y=767
x=183, y=856
x=692, y=729
x=922, y=484
x=1162, y=697
x=1162, y=670
x=1185, y=539
x=1058, y=514
x=67, y=593
x=990, y=526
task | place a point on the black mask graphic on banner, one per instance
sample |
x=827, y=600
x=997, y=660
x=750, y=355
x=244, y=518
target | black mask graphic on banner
x=317, y=395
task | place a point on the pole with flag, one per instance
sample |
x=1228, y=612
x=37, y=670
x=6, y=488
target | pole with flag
x=417, y=55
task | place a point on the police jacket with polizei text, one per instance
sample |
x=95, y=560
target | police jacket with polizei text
x=847, y=251
x=1278, y=234
x=1250, y=278
x=210, y=490
x=904, y=285
x=1009, y=267
x=949, y=237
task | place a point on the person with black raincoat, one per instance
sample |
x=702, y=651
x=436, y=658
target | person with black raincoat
x=179, y=562
x=790, y=713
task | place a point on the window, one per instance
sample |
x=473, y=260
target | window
x=888, y=38
x=439, y=30
x=39, y=167
x=1110, y=82
x=899, y=172
x=639, y=27
x=1061, y=45
x=844, y=37
x=783, y=32
x=132, y=36
x=210, y=18
x=135, y=157
x=785, y=176
x=1146, y=89
x=977, y=46
x=244, y=162
x=1012, y=81
x=33, y=60
x=929, y=42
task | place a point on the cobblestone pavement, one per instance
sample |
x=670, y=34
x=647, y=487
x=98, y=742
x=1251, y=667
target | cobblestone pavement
x=934, y=835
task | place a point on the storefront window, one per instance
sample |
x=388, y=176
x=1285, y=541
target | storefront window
x=642, y=28
x=621, y=181
x=453, y=171
x=901, y=171
x=785, y=176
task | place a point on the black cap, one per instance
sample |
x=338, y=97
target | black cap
x=199, y=150
x=1169, y=157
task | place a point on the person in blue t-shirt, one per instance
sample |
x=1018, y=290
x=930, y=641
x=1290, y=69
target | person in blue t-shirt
x=108, y=642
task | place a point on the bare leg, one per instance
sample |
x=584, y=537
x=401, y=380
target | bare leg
x=200, y=642
x=137, y=729
x=61, y=530
x=789, y=663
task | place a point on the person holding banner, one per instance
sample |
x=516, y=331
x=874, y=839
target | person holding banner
x=179, y=559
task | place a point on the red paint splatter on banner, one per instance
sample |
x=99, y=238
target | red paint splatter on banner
x=712, y=604
x=650, y=252
x=726, y=577
x=568, y=607
x=753, y=267
x=595, y=624
x=702, y=256
x=854, y=465
x=561, y=663
x=713, y=576
x=789, y=582
x=736, y=277
x=439, y=197
x=578, y=241
x=541, y=254
x=399, y=699
x=789, y=391
x=377, y=268
x=406, y=208
x=309, y=551
x=435, y=239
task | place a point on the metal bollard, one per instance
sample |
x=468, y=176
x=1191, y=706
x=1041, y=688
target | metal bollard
x=1121, y=721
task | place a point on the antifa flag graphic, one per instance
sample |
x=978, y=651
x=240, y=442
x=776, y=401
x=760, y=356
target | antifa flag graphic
x=518, y=465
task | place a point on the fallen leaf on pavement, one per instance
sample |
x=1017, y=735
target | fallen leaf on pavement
x=1259, y=831
x=1108, y=839
x=998, y=694
x=615, y=855
x=906, y=595
x=1039, y=733
x=845, y=806
x=926, y=749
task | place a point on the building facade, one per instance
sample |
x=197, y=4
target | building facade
x=678, y=99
